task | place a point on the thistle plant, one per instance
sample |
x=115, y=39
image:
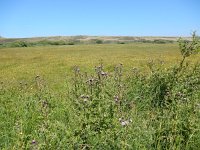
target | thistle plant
x=187, y=48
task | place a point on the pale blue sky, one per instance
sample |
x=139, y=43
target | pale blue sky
x=29, y=18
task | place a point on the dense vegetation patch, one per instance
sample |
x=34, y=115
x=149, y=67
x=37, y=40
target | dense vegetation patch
x=25, y=43
x=107, y=109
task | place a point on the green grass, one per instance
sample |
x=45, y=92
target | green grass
x=55, y=62
x=47, y=103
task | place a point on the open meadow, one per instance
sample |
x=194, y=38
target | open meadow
x=99, y=96
x=55, y=63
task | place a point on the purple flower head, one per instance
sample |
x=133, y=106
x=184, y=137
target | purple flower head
x=33, y=142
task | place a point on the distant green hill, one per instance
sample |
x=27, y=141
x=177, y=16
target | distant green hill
x=82, y=39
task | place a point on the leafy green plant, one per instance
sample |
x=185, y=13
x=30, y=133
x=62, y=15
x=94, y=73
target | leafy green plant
x=188, y=48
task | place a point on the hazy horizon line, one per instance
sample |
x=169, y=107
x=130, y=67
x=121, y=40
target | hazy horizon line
x=168, y=36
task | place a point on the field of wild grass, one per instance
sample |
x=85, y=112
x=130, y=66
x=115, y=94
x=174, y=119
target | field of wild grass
x=100, y=96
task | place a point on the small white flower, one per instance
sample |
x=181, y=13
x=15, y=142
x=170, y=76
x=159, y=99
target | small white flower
x=85, y=98
x=116, y=98
x=103, y=73
x=124, y=122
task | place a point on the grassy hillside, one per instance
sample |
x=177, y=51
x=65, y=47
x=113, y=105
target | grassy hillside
x=87, y=38
x=74, y=40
